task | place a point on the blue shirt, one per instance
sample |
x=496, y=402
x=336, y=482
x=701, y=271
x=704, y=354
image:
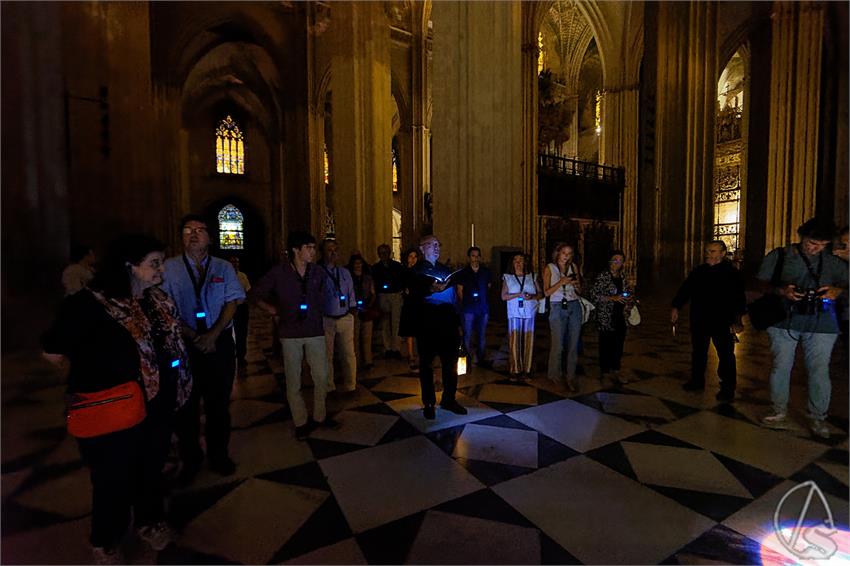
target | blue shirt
x=220, y=287
x=341, y=285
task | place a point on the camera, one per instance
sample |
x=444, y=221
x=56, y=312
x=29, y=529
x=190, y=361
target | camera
x=811, y=302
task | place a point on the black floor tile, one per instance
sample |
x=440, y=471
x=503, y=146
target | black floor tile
x=184, y=506
x=553, y=553
x=324, y=527
x=550, y=451
x=306, y=475
x=505, y=407
x=713, y=505
x=375, y=409
x=613, y=456
x=838, y=456
x=720, y=544
x=544, y=397
x=400, y=430
x=503, y=421
x=492, y=473
x=390, y=396
x=484, y=504
x=18, y=518
x=390, y=543
x=655, y=437
x=826, y=482
x=758, y=482
x=446, y=439
x=174, y=554
x=328, y=448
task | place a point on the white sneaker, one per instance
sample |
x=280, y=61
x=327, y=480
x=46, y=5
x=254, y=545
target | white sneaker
x=157, y=536
x=819, y=428
x=103, y=555
x=776, y=420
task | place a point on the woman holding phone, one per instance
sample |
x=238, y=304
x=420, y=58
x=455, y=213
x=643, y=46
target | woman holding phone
x=613, y=300
x=562, y=284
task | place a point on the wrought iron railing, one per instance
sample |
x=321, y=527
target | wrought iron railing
x=573, y=167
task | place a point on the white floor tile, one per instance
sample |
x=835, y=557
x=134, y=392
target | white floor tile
x=377, y=485
x=496, y=444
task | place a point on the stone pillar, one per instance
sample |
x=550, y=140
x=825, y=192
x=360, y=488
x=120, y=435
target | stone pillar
x=362, y=126
x=794, y=113
x=482, y=169
x=699, y=182
x=619, y=148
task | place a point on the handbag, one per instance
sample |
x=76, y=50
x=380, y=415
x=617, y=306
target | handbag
x=769, y=309
x=103, y=412
x=586, y=308
x=634, y=316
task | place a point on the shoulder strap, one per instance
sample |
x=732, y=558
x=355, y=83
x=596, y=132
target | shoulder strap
x=775, y=279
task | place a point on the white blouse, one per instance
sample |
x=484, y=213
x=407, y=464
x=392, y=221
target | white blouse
x=565, y=290
x=516, y=284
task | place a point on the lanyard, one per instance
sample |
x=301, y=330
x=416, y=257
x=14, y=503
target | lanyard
x=521, y=285
x=302, y=280
x=197, y=285
x=334, y=279
x=815, y=276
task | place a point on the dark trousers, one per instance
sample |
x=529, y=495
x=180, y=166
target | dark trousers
x=240, y=326
x=126, y=474
x=212, y=381
x=475, y=323
x=611, y=348
x=438, y=336
x=724, y=344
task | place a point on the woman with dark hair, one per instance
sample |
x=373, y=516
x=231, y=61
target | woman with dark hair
x=123, y=330
x=409, y=310
x=614, y=301
x=364, y=293
x=520, y=293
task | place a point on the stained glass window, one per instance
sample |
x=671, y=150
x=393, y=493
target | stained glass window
x=395, y=169
x=230, y=228
x=229, y=148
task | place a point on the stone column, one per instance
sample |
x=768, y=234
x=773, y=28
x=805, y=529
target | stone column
x=619, y=148
x=362, y=125
x=699, y=182
x=482, y=174
x=794, y=113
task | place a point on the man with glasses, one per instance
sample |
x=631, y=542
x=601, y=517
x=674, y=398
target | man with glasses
x=294, y=291
x=340, y=308
x=810, y=280
x=438, y=332
x=206, y=292
x=715, y=290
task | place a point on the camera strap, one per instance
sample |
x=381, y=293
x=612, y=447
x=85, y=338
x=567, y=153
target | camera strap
x=815, y=276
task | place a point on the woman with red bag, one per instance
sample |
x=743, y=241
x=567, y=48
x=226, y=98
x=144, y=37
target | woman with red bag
x=127, y=374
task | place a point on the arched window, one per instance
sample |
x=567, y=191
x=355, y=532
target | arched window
x=729, y=150
x=229, y=148
x=231, y=228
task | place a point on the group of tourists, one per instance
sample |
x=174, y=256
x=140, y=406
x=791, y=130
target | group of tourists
x=146, y=339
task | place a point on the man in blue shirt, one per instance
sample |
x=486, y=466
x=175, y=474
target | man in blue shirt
x=438, y=332
x=473, y=283
x=340, y=308
x=206, y=292
x=810, y=281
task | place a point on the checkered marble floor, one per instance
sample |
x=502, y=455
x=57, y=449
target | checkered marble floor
x=637, y=474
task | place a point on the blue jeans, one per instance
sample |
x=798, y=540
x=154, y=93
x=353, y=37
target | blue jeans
x=817, y=350
x=475, y=323
x=565, y=329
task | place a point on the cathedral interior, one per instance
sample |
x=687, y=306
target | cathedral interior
x=649, y=127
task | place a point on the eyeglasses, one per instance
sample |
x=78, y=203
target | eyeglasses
x=197, y=230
